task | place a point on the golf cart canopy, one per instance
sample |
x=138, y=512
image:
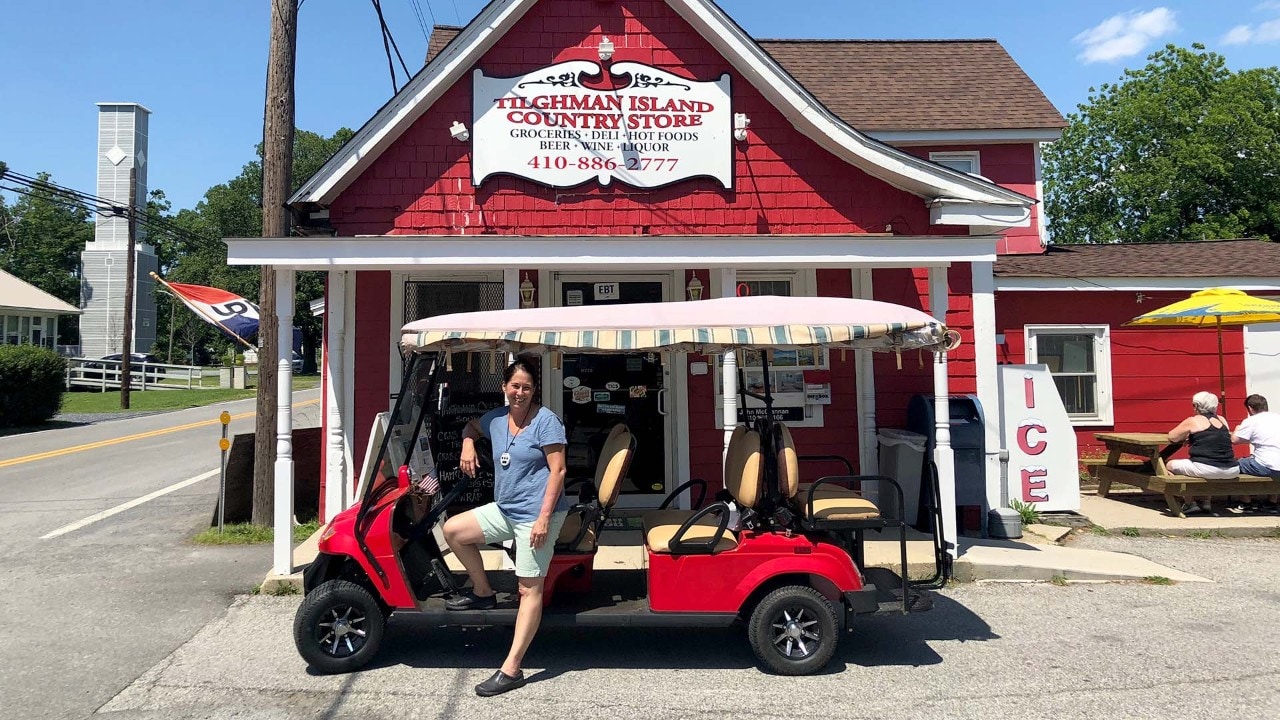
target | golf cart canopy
x=705, y=326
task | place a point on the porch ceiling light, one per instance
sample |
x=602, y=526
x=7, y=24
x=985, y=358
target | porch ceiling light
x=606, y=50
x=740, y=124
x=527, y=292
x=459, y=132
x=694, y=288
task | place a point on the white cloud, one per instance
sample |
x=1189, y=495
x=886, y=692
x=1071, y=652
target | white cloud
x=1267, y=32
x=1266, y=5
x=1125, y=35
x=1238, y=35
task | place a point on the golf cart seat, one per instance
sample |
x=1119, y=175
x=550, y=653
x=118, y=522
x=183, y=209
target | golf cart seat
x=823, y=504
x=706, y=531
x=581, y=529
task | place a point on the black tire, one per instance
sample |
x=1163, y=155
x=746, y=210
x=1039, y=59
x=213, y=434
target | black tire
x=358, y=618
x=793, y=630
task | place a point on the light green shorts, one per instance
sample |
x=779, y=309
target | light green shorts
x=530, y=562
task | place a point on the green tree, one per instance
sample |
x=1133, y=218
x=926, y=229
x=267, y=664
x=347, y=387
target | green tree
x=234, y=209
x=41, y=236
x=1182, y=149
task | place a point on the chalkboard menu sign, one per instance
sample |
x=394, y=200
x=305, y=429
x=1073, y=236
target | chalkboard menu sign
x=446, y=440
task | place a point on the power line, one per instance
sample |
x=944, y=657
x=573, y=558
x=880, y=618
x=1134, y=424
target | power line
x=102, y=207
x=389, y=43
x=422, y=21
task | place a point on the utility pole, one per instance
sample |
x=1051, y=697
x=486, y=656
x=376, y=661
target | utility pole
x=130, y=273
x=277, y=171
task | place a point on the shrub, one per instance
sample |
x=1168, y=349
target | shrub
x=1027, y=511
x=32, y=380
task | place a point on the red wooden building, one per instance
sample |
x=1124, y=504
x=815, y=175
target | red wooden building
x=559, y=152
x=1066, y=308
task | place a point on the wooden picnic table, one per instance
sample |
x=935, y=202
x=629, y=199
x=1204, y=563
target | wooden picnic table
x=1154, y=447
x=1155, y=477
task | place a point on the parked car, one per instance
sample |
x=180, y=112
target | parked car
x=94, y=370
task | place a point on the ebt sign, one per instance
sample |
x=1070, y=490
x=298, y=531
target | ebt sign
x=1037, y=432
x=570, y=123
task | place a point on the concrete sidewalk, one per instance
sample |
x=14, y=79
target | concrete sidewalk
x=1148, y=515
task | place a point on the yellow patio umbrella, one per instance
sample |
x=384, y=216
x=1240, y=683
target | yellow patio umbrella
x=1216, y=308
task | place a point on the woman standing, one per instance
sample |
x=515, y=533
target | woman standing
x=529, y=508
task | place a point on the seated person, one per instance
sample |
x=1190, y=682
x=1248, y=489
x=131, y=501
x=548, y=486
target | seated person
x=1262, y=430
x=1209, y=439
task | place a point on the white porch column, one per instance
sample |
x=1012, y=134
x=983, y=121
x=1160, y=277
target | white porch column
x=283, y=550
x=865, y=373
x=337, y=495
x=510, y=288
x=728, y=369
x=942, y=453
x=984, y=341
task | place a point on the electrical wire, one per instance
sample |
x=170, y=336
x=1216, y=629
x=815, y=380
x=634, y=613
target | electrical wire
x=94, y=204
x=422, y=21
x=388, y=44
x=102, y=207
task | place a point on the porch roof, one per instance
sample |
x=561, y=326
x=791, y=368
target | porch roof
x=633, y=252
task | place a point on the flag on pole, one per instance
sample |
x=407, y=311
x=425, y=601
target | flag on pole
x=230, y=313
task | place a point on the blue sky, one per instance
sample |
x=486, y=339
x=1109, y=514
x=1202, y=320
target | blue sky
x=200, y=66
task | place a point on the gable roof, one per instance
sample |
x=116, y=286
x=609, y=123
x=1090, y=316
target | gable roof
x=902, y=85
x=953, y=197
x=1204, y=258
x=17, y=294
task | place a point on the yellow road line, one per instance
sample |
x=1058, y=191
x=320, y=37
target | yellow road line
x=129, y=438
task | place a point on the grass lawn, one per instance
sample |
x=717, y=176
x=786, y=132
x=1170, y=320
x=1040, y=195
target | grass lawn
x=246, y=534
x=139, y=400
x=106, y=402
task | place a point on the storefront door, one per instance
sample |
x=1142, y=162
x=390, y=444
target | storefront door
x=596, y=392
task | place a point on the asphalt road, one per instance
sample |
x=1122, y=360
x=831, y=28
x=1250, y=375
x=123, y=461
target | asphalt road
x=986, y=651
x=91, y=609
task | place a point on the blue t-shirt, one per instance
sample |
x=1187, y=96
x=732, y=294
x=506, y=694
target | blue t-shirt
x=520, y=488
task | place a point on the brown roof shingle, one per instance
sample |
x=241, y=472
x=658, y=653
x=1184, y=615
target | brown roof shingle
x=1206, y=258
x=903, y=85
x=886, y=85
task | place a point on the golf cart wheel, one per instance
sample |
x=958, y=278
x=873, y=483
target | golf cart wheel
x=338, y=627
x=793, y=630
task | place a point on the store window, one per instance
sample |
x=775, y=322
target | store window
x=1079, y=358
x=965, y=162
x=789, y=370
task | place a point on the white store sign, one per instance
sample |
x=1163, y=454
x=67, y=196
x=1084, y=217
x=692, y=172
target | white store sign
x=1044, y=466
x=567, y=124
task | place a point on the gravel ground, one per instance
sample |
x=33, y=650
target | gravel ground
x=986, y=651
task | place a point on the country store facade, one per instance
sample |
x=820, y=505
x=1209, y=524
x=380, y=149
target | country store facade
x=562, y=152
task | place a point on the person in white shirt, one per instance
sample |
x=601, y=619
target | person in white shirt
x=1262, y=430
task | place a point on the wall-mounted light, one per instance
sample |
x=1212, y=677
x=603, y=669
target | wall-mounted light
x=527, y=292
x=459, y=132
x=694, y=288
x=740, y=124
x=606, y=50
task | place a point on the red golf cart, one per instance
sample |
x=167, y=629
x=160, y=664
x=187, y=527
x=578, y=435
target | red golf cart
x=783, y=558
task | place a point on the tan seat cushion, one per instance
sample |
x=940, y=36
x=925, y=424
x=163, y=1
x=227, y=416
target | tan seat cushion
x=836, y=502
x=569, y=530
x=660, y=526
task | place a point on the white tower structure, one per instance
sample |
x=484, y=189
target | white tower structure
x=122, y=145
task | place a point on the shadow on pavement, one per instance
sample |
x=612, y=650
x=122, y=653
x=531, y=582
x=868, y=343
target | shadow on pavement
x=51, y=425
x=881, y=640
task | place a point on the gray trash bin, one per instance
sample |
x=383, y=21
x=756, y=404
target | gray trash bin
x=901, y=458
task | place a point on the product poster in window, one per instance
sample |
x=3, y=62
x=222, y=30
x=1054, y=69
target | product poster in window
x=577, y=122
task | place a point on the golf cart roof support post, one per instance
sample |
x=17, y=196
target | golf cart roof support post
x=943, y=455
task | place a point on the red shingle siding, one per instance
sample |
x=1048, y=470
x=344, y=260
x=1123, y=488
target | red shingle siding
x=786, y=184
x=374, y=340
x=1154, y=372
x=894, y=387
x=1009, y=165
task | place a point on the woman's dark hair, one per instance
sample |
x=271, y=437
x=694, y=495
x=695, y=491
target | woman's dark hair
x=529, y=364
